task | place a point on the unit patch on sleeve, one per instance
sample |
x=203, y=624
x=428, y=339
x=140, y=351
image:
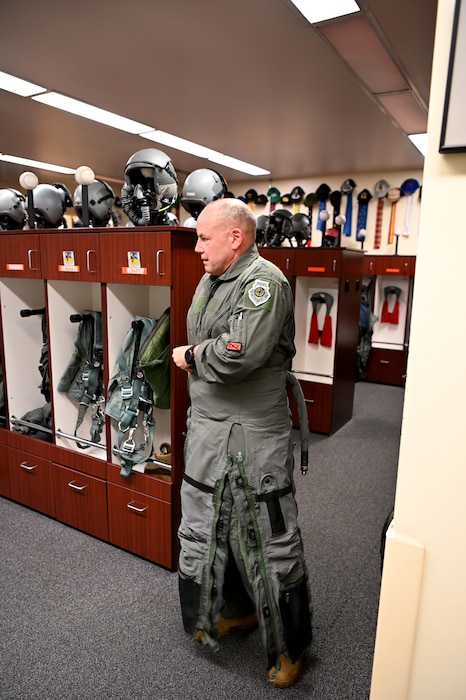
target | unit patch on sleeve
x=259, y=293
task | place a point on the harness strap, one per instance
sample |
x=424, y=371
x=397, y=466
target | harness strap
x=137, y=397
x=92, y=377
x=198, y=484
x=272, y=495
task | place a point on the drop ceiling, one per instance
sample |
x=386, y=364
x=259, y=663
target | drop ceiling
x=250, y=79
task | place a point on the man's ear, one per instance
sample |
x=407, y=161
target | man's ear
x=237, y=238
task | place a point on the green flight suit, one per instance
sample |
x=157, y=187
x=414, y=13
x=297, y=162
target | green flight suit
x=237, y=494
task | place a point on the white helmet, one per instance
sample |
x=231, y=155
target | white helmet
x=12, y=209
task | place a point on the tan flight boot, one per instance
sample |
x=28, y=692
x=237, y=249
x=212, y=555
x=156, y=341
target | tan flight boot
x=245, y=624
x=227, y=625
x=287, y=674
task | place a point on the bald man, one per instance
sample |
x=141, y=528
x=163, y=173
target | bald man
x=241, y=559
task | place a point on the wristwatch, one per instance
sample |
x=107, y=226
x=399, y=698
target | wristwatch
x=189, y=356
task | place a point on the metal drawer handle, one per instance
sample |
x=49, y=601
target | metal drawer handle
x=384, y=362
x=88, y=261
x=30, y=252
x=158, y=257
x=76, y=487
x=28, y=467
x=309, y=400
x=131, y=506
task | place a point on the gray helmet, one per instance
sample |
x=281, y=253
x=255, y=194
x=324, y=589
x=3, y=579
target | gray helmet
x=152, y=171
x=12, y=209
x=50, y=202
x=201, y=187
x=262, y=223
x=301, y=228
x=279, y=227
x=101, y=199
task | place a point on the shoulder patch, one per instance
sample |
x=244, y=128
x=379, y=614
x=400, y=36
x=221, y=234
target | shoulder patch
x=259, y=293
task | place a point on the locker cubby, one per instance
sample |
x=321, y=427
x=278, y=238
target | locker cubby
x=326, y=374
x=22, y=345
x=64, y=299
x=124, y=303
x=314, y=362
x=388, y=335
x=389, y=344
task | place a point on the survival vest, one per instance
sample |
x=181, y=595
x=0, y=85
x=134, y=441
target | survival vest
x=83, y=377
x=140, y=380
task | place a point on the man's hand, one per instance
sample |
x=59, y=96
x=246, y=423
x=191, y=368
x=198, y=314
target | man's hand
x=179, y=358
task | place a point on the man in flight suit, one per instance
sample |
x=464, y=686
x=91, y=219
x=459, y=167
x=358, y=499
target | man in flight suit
x=241, y=560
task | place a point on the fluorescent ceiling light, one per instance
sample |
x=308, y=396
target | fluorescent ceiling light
x=102, y=116
x=19, y=86
x=319, y=10
x=196, y=149
x=420, y=141
x=176, y=142
x=82, y=109
x=357, y=42
x=240, y=165
x=37, y=164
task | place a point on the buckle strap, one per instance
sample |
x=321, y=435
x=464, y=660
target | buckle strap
x=271, y=495
x=198, y=484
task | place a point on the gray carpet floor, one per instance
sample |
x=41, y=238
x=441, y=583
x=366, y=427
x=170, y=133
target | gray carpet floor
x=81, y=619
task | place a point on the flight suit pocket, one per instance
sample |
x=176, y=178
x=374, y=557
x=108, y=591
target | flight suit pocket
x=190, y=595
x=270, y=495
x=296, y=618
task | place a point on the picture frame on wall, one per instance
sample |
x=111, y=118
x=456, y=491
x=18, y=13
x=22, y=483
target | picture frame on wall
x=453, y=132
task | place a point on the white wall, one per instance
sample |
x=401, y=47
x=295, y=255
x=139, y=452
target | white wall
x=420, y=649
x=407, y=245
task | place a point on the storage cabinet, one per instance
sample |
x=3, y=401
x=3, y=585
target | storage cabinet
x=387, y=366
x=122, y=273
x=397, y=265
x=31, y=480
x=392, y=279
x=320, y=262
x=326, y=373
x=20, y=255
x=144, y=260
x=80, y=501
x=139, y=518
x=318, y=400
x=282, y=257
x=70, y=255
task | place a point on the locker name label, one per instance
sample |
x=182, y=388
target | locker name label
x=134, y=270
x=68, y=268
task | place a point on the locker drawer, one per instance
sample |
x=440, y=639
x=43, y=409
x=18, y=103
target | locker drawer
x=140, y=523
x=318, y=399
x=80, y=501
x=30, y=481
x=386, y=366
